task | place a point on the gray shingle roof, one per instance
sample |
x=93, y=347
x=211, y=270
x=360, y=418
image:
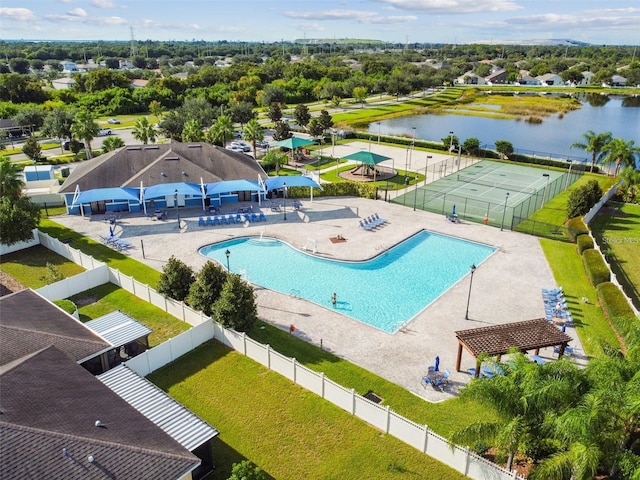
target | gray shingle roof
x=162, y=163
x=49, y=403
x=26, y=330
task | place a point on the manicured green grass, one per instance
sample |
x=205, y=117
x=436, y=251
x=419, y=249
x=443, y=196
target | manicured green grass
x=108, y=298
x=29, y=265
x=395, y=183
x=568, y=270
x=618, y=232
x=287, y=431
x=102, y=253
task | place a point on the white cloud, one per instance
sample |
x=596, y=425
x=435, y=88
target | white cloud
x=103, y=3
x=453, y=7
x=357, y=16
x=154, y=24
x=17, y=14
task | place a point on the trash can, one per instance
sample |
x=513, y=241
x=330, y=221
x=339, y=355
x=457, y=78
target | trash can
x=64, y=172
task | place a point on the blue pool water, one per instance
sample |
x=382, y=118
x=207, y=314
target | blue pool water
x=385, y=292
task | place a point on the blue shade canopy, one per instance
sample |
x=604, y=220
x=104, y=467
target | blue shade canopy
x=297, y=181
x=233, y=186
x=168, y=189
x=102, y=194
x=294, y=142
x=369, y=158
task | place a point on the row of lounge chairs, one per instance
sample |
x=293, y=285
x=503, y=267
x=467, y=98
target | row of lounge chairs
x=372, y=221
x=555, y=306
x=116, y=242
x=231, y=219
x=436, y=379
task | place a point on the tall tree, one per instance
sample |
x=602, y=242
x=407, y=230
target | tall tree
x=18, y=215
x=594, y=143
x=84, y=127
x=253, y=133
x=236, y=307
x=326, y=121
x=57, y=124
x=32, y=149
x=302, y=115
x=10, y=180
x=205, y=291
x=282, y=131
x=176, y=279
x=144, y=131
x=112, y=143
x=622, y=152
x=221, y=130
x=275, y=113
x=192, y=131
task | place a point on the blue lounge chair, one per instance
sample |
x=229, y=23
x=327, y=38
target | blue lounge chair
x=230, y=219
x=247, y=218
x=365, y=226
x=379, y=218
x=538, y=359
x=262, y=218
x=223, y=219
x=441, y=381
x=568, y=350
x=238, y=218
x=201, y=222
x=216, y=220
x=209, y=222
x=254, y=217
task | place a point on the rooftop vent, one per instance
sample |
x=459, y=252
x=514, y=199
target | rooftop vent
x=134, y=148
x=151, y=147
x=195, y=145
x=172, y=158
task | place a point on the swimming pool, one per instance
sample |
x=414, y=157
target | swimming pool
x=385, y=292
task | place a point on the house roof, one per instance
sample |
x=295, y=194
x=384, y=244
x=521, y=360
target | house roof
x=118, y=328
x=50, y=406
x=162, y=163
x=24, y=331
x=183, y=425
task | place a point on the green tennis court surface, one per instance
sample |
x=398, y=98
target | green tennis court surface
x=491, y=192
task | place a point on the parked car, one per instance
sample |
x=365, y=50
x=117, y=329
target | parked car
x=113, y=121
x=66, y=145
x=237, y=134
x=242, y=146
x=235, y=148
x=104, y=131
x=262, y=144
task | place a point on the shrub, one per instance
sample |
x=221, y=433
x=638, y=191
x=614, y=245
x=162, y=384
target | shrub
x=575, y=228
x=584, y=242
x=617, y=309
x=205, y=291
x=583, y=198
x=66, y=305
x=236, y=306
x=176, y=279
x=595, y=266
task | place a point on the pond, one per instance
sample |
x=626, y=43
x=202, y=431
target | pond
x=619, y=115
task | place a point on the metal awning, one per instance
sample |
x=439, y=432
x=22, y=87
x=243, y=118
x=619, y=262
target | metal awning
x=181, y=424
x=118, y=328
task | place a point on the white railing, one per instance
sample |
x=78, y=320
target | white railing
x=204, y=329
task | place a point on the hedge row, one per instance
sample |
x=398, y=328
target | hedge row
x=584, y=242
x=341, y=189
x=576, y=227
x=595, y=266
x=617, y=309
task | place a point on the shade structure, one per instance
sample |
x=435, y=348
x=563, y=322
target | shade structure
x=167, y=189
x=294, y=181
x=233, y=186
x=370, y=158
x=102, y=194
x=294, y=142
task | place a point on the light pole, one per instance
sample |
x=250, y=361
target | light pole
x=378, y=132
x=544, y=193
x=415, y=194
x=284, y=185
x=450, y=141
x=175, y=194
x=473, y=269
x=228, y=254
x=425, y=168
x=566, y=182
x=504, y=212
x=413, y=144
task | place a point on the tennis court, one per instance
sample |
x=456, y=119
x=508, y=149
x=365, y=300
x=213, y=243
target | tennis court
x=491, y=192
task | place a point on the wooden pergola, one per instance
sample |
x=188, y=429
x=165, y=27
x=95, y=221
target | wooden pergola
x=497, y=340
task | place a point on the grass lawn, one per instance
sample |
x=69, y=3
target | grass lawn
x=29, y=265
x=287, y=431
x=108, y=298
x=568, y=270
x=618, y=231
x=395, y=183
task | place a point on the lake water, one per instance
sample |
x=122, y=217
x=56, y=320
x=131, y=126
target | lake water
x=619, y=115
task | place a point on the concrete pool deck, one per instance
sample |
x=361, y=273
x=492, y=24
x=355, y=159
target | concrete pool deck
x=506, y=287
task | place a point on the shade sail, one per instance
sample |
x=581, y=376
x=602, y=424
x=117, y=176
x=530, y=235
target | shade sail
x=103, y=194
x=294, y=142
x=297, y=181
x=369, y=158
x=168, y=189
x=233, y=186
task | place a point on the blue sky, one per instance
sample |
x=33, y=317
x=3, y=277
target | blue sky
x=615, y=22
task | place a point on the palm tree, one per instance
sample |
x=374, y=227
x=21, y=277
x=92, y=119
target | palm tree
x=10, y=182
x=595, y=143
x=112, y=143
x=631, y=187
x=622, y=153
x=221, y=130
x=85, y=128
x=192, y=131
x=253, y=133
x=144, y=131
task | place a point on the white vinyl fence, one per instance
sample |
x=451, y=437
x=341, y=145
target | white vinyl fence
x=204, y=329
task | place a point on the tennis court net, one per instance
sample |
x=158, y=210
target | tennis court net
x=500, y=185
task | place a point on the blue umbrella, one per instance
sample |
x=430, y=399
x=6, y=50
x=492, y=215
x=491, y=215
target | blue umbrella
x=111, y=231
x=454, y=210
x=437, y=367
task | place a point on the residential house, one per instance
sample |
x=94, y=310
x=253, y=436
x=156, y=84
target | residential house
x=498, y=77
x=69, y=67
x=618, y=81
x=550, y=80
x=139, y=83
x=528, y=80
x=587, y=76
x=470, y=78
x=63, y=83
